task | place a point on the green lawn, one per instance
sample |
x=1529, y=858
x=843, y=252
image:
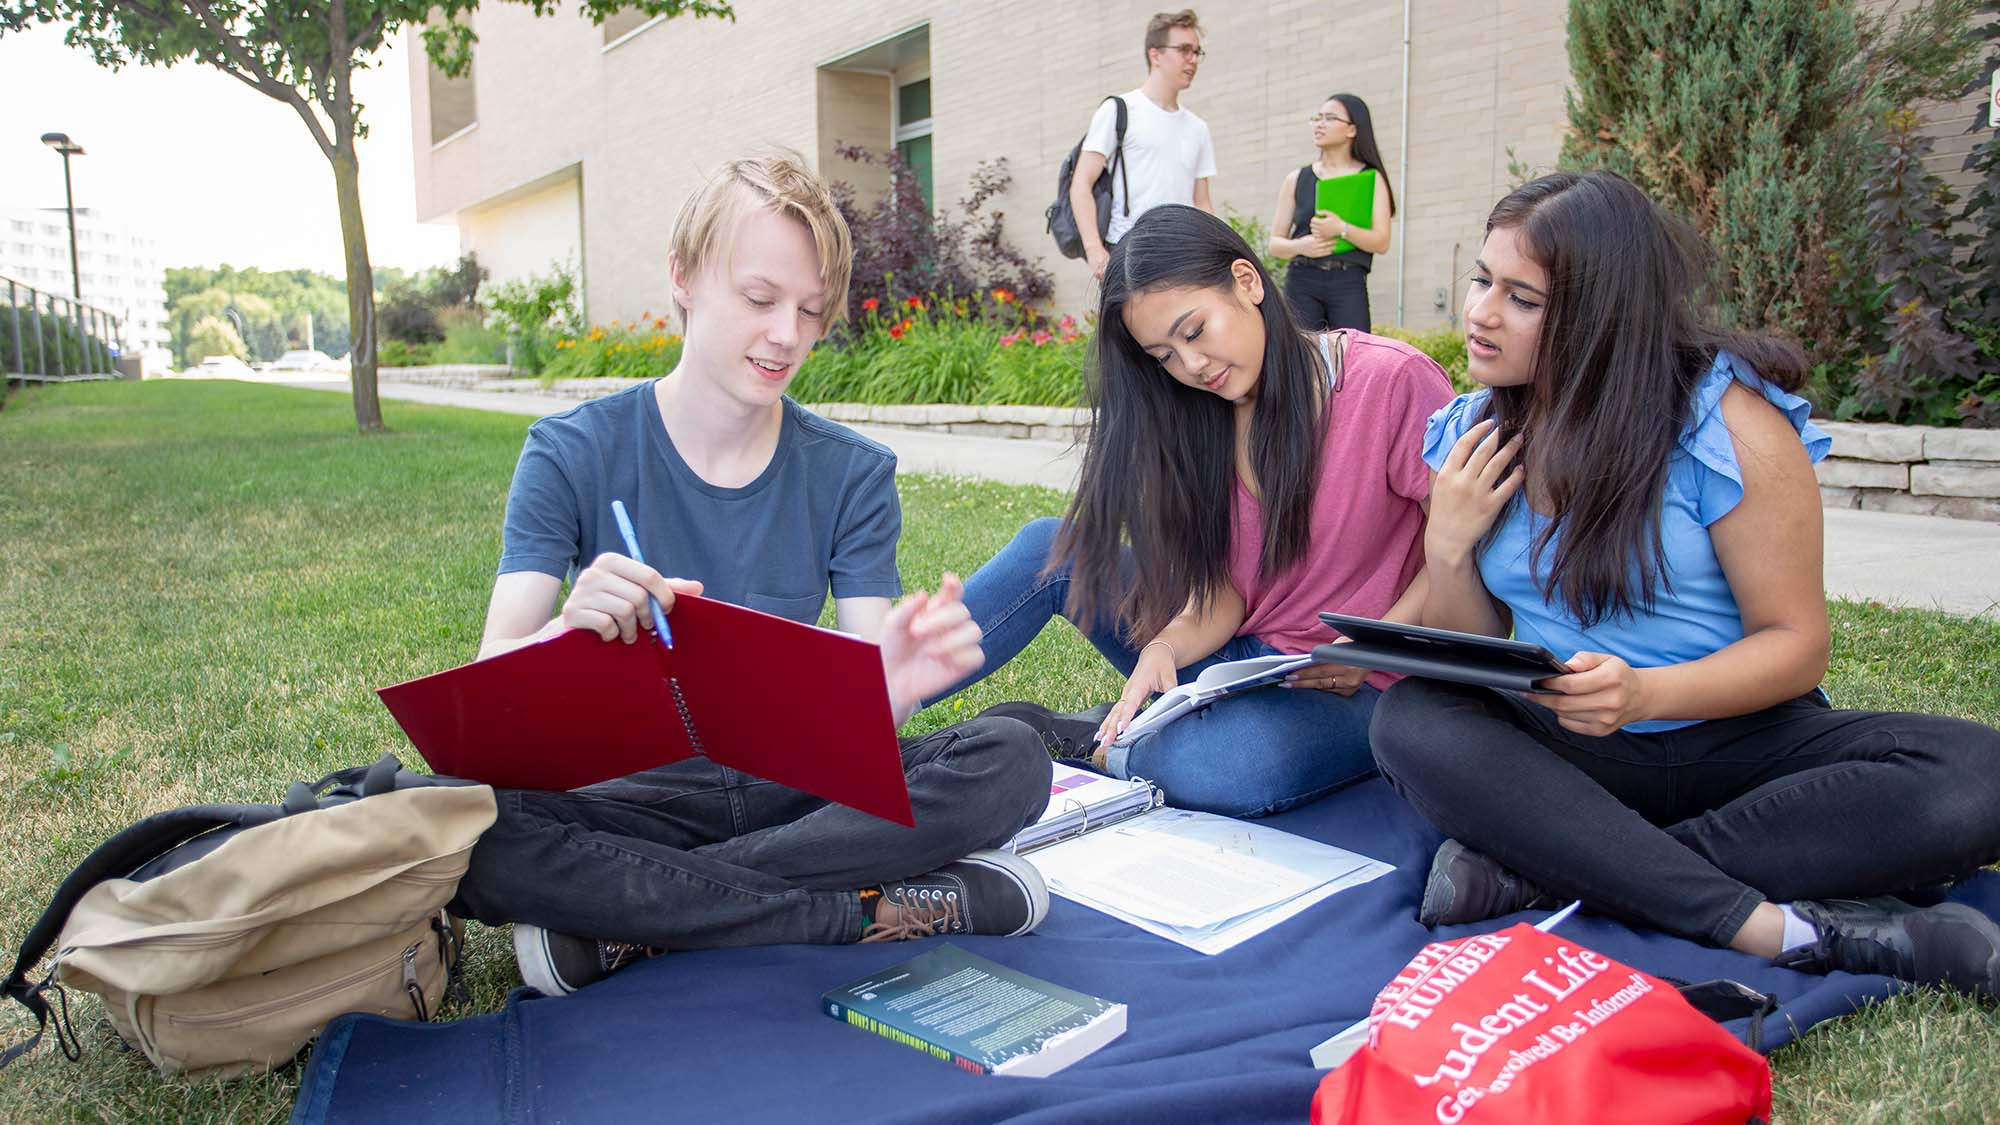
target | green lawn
x=201, y=584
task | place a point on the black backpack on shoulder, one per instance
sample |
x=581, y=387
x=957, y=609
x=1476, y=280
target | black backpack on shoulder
x=1062, y=217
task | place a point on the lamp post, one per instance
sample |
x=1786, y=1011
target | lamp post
x=61, y=143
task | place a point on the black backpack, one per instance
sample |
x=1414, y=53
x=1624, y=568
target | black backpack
x=167, y=841
x=1062, y=217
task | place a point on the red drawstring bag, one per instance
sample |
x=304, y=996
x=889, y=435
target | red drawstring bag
x=1521, y=1027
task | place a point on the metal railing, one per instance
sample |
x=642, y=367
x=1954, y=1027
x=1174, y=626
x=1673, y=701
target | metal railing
x=47, y=336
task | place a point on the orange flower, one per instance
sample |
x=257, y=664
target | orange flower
x=914, y=303
x=659, y=322
x=1001, y=295
x=870, y=305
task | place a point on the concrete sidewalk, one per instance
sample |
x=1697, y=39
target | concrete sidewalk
x=1921, y=561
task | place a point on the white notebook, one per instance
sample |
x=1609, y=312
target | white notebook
x=1213, y=683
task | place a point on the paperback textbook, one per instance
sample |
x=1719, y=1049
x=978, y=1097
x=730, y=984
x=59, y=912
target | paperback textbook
x=980, y=1016
x=1214, y=682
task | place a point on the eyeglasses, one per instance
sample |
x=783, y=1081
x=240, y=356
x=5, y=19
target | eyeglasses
x=1187, y=50
x=1327, y=118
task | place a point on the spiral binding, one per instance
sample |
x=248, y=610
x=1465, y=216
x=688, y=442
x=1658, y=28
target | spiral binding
x=687, y=716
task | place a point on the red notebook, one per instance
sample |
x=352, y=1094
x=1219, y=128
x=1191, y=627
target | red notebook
x=782, y=701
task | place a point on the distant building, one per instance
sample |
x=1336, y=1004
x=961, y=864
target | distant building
x=121, y=269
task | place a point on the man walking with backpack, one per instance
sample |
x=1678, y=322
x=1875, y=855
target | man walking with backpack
x=1167, y=154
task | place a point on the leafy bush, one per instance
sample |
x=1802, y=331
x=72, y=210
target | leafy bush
x=391, y=352
x=1253, y=231
x=1927, y=364
x=639, y=350
x=410, y=309
x=534, y=312
x=467, y=339
x=1446, y=345
x=903, y=251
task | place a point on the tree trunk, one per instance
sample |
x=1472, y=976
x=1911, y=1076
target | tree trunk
x=360, y=285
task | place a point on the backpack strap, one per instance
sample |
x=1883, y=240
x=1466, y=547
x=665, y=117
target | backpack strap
x=114, y=859
x=1118, y=157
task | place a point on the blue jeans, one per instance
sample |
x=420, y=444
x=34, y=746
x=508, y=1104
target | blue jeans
x=1254, y=754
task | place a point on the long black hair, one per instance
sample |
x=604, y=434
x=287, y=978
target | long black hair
x=1363, y=147
x=1625, y=340
x=1159, y=470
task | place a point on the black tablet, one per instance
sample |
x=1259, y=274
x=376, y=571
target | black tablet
x=1440, y=654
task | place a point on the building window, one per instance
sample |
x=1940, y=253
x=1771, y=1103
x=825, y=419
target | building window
x=625, y=22
x=454, y=107
x=913, y=135
x=878, y=97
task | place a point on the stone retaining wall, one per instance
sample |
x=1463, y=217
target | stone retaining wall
x=1922, y=470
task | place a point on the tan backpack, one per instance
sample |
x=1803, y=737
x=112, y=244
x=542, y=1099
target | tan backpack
x=222, y=938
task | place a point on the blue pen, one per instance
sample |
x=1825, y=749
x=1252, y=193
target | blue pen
x=632, y=552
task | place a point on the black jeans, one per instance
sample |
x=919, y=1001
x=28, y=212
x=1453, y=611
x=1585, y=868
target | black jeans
x=695, y=855
x=1688, y=830
x=1328, y=299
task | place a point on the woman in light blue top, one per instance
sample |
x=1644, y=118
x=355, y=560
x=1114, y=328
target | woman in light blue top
x=1633, y=489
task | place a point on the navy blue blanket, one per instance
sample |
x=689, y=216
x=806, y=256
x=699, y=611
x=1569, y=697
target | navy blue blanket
x=737, y=1035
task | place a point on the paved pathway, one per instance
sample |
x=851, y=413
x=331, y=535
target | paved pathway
x=1924, y=561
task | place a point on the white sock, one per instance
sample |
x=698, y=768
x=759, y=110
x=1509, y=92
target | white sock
x=1798, y=931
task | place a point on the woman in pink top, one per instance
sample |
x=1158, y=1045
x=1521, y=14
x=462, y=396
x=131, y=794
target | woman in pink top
x=1241, y=476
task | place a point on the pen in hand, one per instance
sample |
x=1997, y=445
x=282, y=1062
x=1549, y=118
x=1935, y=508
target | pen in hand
x=632, y=552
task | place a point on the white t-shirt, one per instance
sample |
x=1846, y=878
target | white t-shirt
x=1165, y=153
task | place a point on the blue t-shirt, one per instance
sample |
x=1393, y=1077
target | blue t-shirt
x=1698, y=615
x=823, y=513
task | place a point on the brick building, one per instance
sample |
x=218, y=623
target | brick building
x=574, y=142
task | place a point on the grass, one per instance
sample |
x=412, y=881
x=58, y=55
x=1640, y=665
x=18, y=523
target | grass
x=202, y=583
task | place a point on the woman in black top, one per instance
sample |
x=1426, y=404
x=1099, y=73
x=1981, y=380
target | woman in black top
x=1329, y=289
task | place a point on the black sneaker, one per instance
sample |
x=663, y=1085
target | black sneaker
x=1950, y=945
x=987, y=892
x=1068, y=736
x=558, y=964
x=1465, y=886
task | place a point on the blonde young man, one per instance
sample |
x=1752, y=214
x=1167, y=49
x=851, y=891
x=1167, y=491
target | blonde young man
x=740, y=494
x=1169, y=156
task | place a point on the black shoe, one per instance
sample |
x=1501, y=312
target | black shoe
x=1465, y=886
x=558, y=964
x=1070, y=735
x=987, y=892
x=1950, y=945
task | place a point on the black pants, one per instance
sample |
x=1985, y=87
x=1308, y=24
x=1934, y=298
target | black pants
x=1326, y=299
x=1688, y=830
x=695, y=855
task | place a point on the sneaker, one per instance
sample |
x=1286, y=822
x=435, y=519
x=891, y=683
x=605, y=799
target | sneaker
x=1951, y=945
x=1068, y=736
x=1465, y=886
x=558, y=964
x=987, y=892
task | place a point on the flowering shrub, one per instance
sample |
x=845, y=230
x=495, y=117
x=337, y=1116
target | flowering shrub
x=931, y=348
x=903, y=252
x=639, y=350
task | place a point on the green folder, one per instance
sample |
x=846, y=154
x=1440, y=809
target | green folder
x=1352, y=198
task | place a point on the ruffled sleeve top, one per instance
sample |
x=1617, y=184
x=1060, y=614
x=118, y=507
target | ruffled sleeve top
x=1692, y=615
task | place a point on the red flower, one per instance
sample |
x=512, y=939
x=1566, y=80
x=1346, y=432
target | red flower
x=1001, y=295
x=914, y=303
x=871, y=304
x=896, y=330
